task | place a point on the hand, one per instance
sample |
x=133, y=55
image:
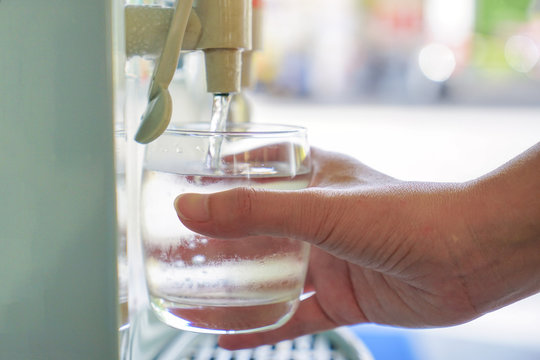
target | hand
x=388, y=251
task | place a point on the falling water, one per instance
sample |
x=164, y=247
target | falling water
x=218, y=123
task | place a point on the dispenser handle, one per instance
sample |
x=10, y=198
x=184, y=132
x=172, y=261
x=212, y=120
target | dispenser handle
x=158, y=112
x=166, y=66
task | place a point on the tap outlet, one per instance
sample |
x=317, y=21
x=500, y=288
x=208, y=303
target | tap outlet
x=223, y=70
x=226, y=33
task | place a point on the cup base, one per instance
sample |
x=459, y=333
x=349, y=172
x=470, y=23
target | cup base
x=224, y=319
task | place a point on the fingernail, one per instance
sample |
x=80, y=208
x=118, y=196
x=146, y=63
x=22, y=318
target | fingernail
x=192, y=207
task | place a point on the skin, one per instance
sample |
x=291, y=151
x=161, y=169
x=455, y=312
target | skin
x=386, y=251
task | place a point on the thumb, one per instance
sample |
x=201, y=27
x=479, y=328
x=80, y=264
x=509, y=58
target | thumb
x=310, y=215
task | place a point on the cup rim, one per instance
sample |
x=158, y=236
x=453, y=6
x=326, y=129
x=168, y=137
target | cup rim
x=260, y=129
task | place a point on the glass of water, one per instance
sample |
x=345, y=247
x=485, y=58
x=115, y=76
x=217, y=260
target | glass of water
x=212, y=285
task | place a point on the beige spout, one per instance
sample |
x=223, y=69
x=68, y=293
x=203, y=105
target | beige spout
x=223, y=70
x=226, y=33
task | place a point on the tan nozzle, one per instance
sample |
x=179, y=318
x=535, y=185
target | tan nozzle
x=223, y=70
x=226, y=33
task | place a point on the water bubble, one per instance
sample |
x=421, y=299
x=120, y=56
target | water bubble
x=179, y=149
x=198, y=259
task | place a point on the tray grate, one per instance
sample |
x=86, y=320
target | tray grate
x=325, y=346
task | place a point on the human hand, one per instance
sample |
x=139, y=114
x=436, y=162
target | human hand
x=385, y=251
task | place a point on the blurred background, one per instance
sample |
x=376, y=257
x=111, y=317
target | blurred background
x=402, y=51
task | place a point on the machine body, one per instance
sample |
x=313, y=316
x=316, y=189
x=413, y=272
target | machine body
x=58, y=296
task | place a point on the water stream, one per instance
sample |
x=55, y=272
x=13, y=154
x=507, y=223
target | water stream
x=218, y=123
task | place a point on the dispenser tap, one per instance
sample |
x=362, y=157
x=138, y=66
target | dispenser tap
x=220, y=28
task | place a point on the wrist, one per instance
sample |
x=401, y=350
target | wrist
x=502, y=214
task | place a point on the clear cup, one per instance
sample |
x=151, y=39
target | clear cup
x=211, y=285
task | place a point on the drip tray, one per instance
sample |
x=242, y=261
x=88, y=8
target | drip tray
x=332, y=345
x=149, y=339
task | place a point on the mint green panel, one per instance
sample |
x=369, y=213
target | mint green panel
x=57, y=215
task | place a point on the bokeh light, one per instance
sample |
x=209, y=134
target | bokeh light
x=437, y=62
x=521, y=53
